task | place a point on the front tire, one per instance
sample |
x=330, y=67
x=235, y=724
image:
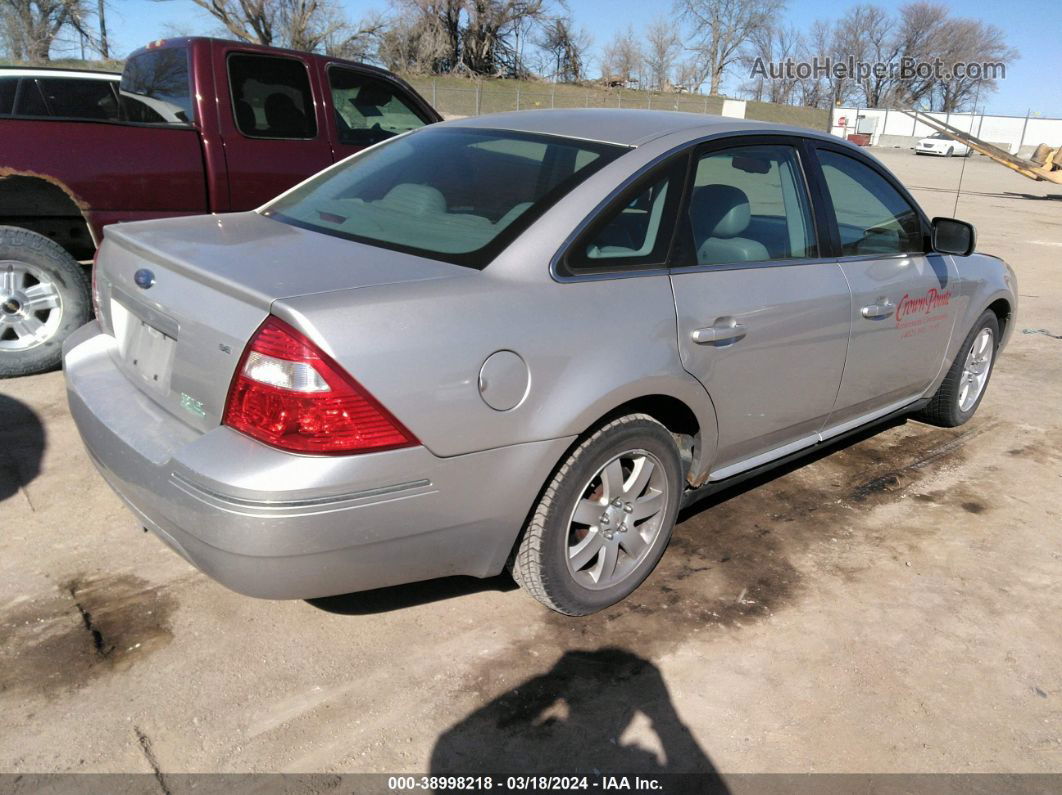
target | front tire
x=44, y=298
x=604, y=520
x=962, y=389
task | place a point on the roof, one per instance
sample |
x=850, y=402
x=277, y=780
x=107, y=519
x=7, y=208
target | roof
x=53, y=71
x=627, y=127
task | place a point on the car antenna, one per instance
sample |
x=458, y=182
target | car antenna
x=962, y=171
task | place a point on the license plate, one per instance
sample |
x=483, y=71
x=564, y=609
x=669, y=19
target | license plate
x=146, y=351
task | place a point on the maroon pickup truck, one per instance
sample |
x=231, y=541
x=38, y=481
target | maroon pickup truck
x=195, y=126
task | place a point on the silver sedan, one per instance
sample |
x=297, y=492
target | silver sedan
x=520, y=341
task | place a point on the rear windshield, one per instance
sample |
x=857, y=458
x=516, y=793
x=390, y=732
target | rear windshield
x=155, y=88
x=449, y=193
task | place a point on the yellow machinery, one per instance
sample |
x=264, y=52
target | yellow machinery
x=1046, y=162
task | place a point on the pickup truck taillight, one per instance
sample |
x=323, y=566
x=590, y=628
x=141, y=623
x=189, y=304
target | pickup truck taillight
x=291, y=395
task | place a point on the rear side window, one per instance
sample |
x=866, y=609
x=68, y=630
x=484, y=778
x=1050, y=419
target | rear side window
x=369, y=110
x=8, y=88
x=271, y=97
x=455, y=194
x=76, y=98
x=872, y=216
x=155, y=88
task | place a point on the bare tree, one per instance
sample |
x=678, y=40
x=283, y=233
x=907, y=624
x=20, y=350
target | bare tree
x=662, y=47
x=32, y=26
x=919, y=39
x=968, y=41
x=687, y=73
x=299, y=24
x=490, y=44
x=718, y=29
x=879, y=44
x=776, y=45
x=622, y=60
x=564, y=47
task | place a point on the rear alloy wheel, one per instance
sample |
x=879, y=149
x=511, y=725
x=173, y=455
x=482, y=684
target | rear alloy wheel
x=963, y=387
x=604, y=521
x=44, y=297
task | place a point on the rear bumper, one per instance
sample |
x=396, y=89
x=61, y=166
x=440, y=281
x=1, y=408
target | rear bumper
x=276, y=525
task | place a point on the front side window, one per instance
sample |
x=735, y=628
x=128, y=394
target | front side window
x=455, y=194
x=271, y=97
x=78, y=98
x=369, y=110
x=750, y=204
x=155, y=88
x=872, y=216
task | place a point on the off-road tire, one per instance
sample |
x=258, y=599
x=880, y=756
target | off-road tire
x=539, y=564
x=68, y=278
x=943, y=409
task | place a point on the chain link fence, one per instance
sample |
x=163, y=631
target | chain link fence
x=475, y=98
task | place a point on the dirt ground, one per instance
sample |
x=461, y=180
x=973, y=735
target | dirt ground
x=893, y=606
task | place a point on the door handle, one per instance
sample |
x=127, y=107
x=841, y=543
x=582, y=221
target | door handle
x=708, y=334
x=883, y=308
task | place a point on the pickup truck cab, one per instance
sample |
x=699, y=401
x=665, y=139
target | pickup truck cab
x=200, y=126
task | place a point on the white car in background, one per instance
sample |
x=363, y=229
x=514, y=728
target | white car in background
x=940, y=144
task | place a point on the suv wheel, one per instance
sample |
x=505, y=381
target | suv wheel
x=604, y=520
x=44, y=297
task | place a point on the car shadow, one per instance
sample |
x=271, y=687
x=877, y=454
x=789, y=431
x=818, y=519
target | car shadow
x=602, y=712
x=22, y=441
x=399, y=597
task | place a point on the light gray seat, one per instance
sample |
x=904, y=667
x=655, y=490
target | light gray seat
x=719, y=214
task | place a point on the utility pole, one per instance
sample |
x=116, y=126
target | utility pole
x=105, y=52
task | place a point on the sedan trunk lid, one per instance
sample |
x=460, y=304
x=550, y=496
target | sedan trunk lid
x=183, y=296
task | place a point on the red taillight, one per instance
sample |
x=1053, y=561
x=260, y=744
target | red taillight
x=289, y=394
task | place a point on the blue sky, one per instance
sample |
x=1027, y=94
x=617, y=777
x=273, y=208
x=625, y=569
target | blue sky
x=1034, y=28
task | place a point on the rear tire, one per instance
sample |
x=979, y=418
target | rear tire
x=962, y=389
x=44, y=297
x=604, y=520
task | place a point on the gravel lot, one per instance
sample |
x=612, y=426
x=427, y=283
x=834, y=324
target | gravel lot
x=893, y=606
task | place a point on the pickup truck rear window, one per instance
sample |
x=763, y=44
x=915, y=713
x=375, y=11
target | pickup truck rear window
x=271, y=97
x=368, y=109
x=450, y=193
x=155, y=88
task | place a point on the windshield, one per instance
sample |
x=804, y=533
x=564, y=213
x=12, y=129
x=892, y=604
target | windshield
x=155, y=88
x=450, y=193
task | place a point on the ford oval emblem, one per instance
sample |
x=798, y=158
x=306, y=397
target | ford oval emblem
x=144, y=278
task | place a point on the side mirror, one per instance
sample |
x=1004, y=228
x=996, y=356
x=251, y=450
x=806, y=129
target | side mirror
x=952, y=236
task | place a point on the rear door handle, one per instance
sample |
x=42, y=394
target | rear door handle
x=883, y=308
x=708, y=334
